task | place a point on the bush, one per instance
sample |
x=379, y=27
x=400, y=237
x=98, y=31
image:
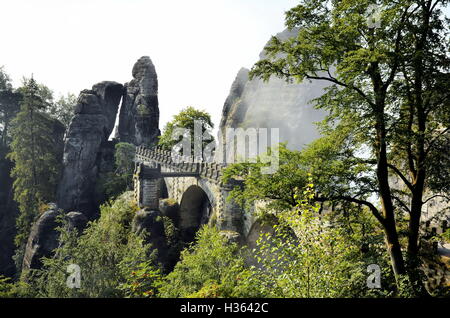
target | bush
x=18, y=289
x=314, y=256
x=107, y=253
x=209, y=268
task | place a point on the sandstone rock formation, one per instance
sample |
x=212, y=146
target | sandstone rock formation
x=152, y=223
x=85, y=141
x=139, y=112
x=43, y=238
x=275, y=104
x=76, y=221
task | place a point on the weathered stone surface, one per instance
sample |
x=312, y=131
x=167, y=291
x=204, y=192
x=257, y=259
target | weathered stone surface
x=43, y=239
x=171, y=209
x=86, y=138
x=231, y=114
x=152, y=223
x=76, y=220
x=139, y=112
x=274, y=104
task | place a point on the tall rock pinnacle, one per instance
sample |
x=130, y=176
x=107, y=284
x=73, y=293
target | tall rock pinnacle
x=85, y=141
x=139, y=113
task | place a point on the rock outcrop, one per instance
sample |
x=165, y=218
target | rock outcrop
x=44, y=237
x=152, y=223
x=274, y=104
x=85, y=141
x=139, y=112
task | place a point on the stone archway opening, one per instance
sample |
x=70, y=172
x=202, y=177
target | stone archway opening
x=195, y=210
x=163, y=190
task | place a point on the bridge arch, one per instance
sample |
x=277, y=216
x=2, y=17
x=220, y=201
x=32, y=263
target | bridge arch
x=163, y=189
x=197, y=187
x=195, y=210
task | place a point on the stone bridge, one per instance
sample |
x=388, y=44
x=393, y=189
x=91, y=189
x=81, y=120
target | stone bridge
x=196, y=186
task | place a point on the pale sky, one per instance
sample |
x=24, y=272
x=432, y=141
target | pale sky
x=197, y=46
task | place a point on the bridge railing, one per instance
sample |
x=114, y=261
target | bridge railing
x=209, y=170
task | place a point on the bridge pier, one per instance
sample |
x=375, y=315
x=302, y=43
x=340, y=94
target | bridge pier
x=146, y=185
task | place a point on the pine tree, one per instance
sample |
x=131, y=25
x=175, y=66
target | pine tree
x=36, y=167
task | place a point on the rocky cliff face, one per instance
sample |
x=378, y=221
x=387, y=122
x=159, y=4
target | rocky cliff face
x=86, y=138
x=275, y=104
x=139, y=113
x=88, y=152
x=8, y=214
x=43, y=238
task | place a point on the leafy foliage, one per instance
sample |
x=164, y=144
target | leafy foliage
x=143, y=282
x=186, y=120
x=63, y=109
x=314, y=255
x=207, y=269
x=108, y=252
x=386, y=94
x=9, y=107
x=10, y=289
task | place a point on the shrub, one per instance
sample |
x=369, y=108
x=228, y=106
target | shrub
x=208, y=268
x=107, y=252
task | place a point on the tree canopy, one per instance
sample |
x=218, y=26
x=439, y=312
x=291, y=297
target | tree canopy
x=388, y=103
x=186, y=120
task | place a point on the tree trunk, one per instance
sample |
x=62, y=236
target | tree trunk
x=394, y=250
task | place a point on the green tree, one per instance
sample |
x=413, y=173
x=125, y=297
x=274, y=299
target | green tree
x=277, y=189
x=186, y=120
x=36, y=165
x=64, y=108
x=387, y=94
x=124, y=158
x=313, y=255
x=114, y=183
x=9, y=107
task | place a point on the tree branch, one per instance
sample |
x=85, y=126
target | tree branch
x=335, y=81
x=397, y=172
x=372, y=208
x=402, y=203
x=436, y=196
x=433, y=141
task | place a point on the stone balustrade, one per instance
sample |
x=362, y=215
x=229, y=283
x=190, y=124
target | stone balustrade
x=209, y=170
